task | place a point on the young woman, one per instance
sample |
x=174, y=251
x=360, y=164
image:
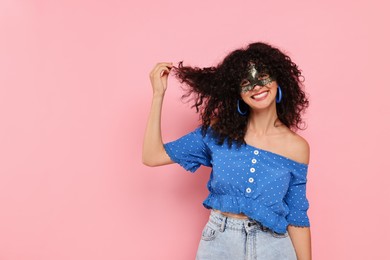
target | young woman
x=250, y=105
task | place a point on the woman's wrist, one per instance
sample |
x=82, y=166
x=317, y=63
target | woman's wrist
x=158, y=95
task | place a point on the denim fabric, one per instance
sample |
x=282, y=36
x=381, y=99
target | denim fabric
x=225, y=238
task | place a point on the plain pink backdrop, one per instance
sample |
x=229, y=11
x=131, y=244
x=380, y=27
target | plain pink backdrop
x=74, y=99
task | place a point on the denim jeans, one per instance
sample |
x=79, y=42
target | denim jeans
x=225, y=238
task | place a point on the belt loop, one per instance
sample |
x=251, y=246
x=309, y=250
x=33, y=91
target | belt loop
x=223, y=225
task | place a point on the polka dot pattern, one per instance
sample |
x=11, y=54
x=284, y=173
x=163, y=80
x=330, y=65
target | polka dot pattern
x=267, y=187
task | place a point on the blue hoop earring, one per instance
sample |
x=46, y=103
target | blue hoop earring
x=279, y=95
x=243, y=113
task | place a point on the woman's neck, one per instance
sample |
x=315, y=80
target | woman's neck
x=262, y=122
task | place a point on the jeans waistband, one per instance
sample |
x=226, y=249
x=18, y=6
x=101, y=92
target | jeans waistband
x=225, y=222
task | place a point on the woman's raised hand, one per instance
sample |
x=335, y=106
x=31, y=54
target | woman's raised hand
x=159, y=77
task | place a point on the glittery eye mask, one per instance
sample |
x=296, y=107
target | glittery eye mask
x=254, y=79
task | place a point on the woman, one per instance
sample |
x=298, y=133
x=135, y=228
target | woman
x=249, y=104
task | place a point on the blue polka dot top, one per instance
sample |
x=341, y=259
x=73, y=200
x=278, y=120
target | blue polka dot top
x=265, y=186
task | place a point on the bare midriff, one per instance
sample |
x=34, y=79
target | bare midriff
x=232, y=215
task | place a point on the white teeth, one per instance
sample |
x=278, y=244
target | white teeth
x=261, y=95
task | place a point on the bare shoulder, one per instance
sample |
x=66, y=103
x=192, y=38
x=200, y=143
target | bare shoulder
x=298, y=148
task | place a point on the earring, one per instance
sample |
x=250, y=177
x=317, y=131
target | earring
x=279, y=95
x=241, y=112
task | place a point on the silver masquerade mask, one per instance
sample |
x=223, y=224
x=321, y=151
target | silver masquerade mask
x=255, y=78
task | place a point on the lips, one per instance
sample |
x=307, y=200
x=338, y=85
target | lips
x=261, y=95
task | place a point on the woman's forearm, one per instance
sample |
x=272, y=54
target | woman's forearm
x=153, y=153
x=301, y=239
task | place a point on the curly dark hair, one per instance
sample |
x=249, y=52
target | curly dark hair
x=215, y=90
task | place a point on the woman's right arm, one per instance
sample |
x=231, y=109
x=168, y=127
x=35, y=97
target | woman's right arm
x=153, y=152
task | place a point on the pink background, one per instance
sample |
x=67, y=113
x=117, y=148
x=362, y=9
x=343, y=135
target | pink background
x=74, y=99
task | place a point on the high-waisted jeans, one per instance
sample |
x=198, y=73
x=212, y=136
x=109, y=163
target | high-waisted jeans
x=226, y=238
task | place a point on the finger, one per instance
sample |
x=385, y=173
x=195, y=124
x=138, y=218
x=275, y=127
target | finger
x=169, y=64
x=158, y=66
x=161, y=69
x=160, y=72
x=165, y=71
x=163, y=64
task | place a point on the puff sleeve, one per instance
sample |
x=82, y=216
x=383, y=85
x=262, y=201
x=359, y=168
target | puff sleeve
x=190, y=151
x=296, y=199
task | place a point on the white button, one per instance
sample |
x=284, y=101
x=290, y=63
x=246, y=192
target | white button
x=254, y=161
x=248, y=190
x=252, y=170
x=251, y=180
x=256, y=152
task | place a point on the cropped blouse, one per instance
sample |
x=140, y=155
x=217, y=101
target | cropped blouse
x=267, y=187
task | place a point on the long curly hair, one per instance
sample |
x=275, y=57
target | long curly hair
x=215, y=90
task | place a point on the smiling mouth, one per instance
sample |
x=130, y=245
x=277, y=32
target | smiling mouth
x=260, y=95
